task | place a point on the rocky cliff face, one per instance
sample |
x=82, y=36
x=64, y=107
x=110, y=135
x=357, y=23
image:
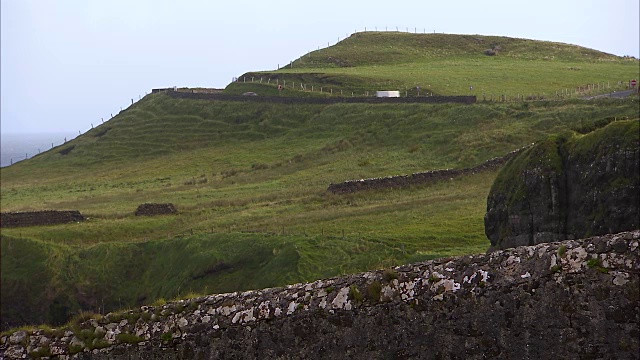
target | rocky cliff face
x=568, y=187
x=566, y=300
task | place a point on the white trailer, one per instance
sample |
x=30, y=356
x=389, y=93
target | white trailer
x=387, y=93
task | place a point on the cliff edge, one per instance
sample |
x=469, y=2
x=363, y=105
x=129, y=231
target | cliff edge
x=568, y=187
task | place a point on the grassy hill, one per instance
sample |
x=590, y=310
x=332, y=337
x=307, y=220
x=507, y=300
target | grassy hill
x=249, y=181
x=445, y=64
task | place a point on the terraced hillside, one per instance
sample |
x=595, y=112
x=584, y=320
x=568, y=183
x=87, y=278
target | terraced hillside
x=250, y=182
x=444, y=64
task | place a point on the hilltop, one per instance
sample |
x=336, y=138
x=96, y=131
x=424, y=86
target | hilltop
x=250, y=183
x=444, y=64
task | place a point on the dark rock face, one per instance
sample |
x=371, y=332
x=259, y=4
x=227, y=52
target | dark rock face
x=566, y=300
x=567, y=188
x=150, y=209
x=34, y=218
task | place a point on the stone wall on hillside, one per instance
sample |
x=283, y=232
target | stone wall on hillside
x=567, y=188
x=421, y=178
x=572, y=299
x=318, y=100
x=152, y=209
x=35, y=218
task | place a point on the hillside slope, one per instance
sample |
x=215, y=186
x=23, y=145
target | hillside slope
x=444, y=64
x=250, y=182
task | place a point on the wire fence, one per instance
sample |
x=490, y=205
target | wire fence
x=588, y=90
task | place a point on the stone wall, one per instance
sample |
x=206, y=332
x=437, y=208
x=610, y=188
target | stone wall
x=421, y=178
x=34, y=218
x=567, y=300
x=329, y=100
x=151, y=209
x=190, y=90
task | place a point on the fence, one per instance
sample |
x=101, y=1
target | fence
x=582, y=91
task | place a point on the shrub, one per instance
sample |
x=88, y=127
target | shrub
x=355, y=294
x=128, y=338
x=40, y=352
x=562, y=250
x=373, y=290
x=74, y=349
x=596, y=264
x=81, y=317
x=159, y=302
x=389, y=274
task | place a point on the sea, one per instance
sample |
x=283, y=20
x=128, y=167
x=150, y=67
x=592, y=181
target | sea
x=16, y=147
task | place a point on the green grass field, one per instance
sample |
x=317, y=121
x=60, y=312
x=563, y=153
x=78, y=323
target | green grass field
x=445, y=64
x=249, y=181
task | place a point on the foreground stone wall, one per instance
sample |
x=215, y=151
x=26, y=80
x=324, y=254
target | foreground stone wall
x=421, y=178
x=34, y=218
x=572, y=299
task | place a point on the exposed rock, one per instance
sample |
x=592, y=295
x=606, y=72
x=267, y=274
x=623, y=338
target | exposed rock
x=571, y=299
x=568, y=187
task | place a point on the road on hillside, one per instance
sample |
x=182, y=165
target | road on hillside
x=617, y=94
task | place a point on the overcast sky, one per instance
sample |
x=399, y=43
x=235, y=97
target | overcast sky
x=67, y=63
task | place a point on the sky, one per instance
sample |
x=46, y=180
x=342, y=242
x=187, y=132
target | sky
x=65, y=64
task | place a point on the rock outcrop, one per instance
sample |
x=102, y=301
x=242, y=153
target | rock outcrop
x=568, y=187
x=565, y=300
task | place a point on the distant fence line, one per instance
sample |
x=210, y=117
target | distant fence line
x=598, y=88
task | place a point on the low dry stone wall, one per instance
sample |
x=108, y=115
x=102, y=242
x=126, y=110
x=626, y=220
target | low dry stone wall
x=34, y=218
x=151, y=209
x=566, y=300
x=330, y=100
x=421, y=178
